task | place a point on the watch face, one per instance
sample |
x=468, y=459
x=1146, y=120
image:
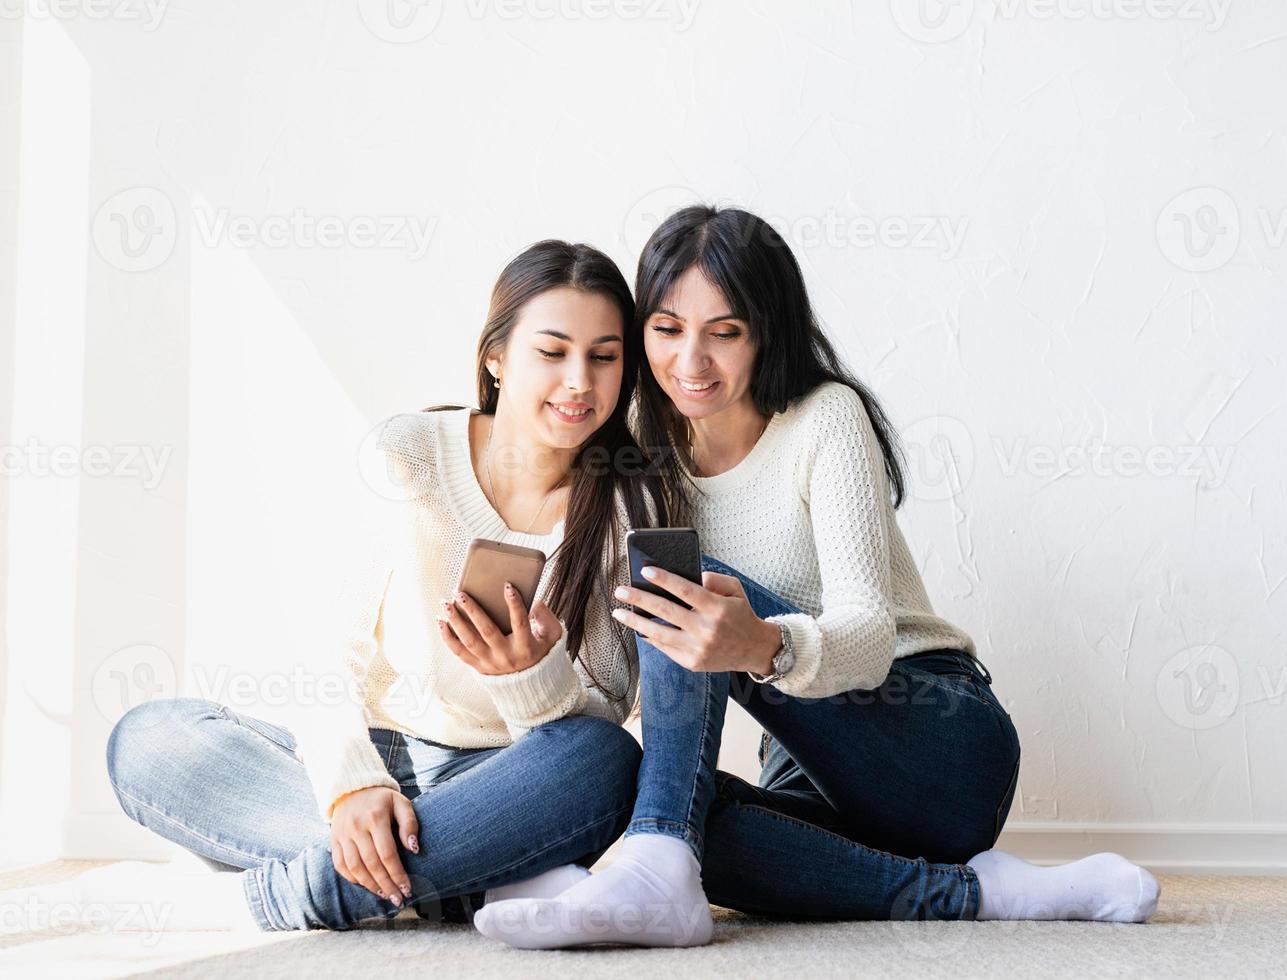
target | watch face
x=784, y=661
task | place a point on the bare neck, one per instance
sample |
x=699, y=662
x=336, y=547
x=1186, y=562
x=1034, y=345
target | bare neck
x=724, y=440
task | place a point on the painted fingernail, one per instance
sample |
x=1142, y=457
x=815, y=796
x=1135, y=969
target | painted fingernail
x=415, y=843
x=462, y=598
x=509, y=589
x=618, y=614
x=649, y=572
x=406, y=891
x=621, y=592
x=396, y=899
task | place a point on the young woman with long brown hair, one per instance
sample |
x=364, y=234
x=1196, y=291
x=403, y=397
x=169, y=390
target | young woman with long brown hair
x=467, y=763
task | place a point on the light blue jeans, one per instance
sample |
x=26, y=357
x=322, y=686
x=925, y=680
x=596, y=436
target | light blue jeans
x=229, y=788
x=868, y=802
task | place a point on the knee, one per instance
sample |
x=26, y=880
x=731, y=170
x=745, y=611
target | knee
x=151, y=731
x=605, y=746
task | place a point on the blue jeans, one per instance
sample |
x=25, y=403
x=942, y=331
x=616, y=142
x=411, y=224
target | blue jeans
x=868, y=802
x=229, y=788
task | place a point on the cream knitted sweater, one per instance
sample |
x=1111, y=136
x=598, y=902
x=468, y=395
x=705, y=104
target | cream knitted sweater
x=395, y=670
x=808, y=514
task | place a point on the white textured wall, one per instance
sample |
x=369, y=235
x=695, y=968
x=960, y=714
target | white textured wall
x=1049, y=234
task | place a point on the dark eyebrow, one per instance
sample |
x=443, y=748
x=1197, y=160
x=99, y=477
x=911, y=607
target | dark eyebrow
x=715, y=319
x=605, y=339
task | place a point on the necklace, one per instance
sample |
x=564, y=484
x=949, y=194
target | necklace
x=491, y=484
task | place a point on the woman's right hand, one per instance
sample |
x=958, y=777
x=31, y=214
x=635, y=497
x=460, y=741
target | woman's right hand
x=363, y=848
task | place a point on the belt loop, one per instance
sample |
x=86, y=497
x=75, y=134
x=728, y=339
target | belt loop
x=983, y=667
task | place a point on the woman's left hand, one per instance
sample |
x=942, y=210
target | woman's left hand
x=472, y=636
x=719, y=633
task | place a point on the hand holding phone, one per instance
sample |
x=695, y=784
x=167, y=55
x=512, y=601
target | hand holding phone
x=490, y=631
x=675, y=549
x=489, y=565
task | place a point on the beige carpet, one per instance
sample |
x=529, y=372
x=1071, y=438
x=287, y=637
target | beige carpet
x=1206, y=926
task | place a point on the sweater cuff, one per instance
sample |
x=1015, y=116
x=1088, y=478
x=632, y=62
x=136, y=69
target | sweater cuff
x=344, y=768
x=544, y=692
x=806, y=644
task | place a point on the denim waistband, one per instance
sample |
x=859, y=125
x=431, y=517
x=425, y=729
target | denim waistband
x=946, y=660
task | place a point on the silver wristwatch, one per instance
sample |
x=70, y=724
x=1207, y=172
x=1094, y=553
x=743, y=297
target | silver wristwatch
x=783, y=660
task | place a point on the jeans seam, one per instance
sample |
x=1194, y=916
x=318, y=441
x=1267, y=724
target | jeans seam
x=692, y=798
x=169, y=818
x=1007, y=797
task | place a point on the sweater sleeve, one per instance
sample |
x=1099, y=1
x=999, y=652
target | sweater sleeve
x=334, y=742
x=333, y=737
x=850, y=646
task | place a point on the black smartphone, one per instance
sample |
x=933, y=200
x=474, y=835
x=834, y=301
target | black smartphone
x=673, y=548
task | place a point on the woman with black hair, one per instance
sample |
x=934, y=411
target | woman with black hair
x=888, y=764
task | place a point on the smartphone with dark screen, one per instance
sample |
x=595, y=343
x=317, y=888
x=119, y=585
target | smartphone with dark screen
x=673, y=548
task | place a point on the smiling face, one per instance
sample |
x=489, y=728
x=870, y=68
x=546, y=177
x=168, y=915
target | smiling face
x=561, y=367
x=702, y=356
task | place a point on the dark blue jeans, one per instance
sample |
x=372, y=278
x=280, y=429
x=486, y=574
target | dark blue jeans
x=868, y=803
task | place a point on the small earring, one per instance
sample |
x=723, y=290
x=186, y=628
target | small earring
x=496, y=381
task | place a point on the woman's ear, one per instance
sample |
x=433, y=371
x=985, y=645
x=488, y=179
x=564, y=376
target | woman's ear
x=494, y=366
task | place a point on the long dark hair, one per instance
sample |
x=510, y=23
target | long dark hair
x=753, y=267
x=610, y=461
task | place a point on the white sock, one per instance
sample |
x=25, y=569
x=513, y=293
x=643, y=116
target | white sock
x=1103, y=887
x=651, y=895
x=545, y=885
x=131, y=896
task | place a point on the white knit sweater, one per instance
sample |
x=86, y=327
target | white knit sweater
x=397, y=673
x=808, y=514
